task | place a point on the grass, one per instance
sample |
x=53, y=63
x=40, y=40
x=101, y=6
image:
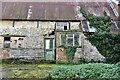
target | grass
x=69, y=70
x=27, y=70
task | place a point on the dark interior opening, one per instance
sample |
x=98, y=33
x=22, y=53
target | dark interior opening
x=6, y=38
x=6, y=42
x=65, y=27
x=20, y=39
x=52, y=33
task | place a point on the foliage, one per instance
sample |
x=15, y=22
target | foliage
x=69, y=51
x=91, y=71
x=108, y=44
x=30, y=71
x=26, y=61
x=17, y=73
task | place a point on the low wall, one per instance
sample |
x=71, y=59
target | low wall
x=22, y=53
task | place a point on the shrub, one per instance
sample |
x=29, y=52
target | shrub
x=89, y=71
x=69, y=52
x=107, y=44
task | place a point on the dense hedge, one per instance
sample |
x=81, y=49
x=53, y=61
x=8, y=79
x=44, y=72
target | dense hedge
x=89, y=71
x=108, y=44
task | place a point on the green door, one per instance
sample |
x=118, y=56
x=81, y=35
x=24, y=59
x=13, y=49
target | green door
x=49, y=49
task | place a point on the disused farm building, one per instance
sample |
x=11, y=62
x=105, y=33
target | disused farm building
x=31, y=29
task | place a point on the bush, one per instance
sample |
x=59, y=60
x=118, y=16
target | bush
x=69, y=52
x=89, y=71
x=107, y=44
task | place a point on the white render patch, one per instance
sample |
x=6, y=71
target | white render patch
x=116, y=1
x=78, y=14
x=91, y=29
x=29, y=12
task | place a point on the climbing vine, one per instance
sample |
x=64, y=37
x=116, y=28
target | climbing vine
x=108, y=44
x=69, y=52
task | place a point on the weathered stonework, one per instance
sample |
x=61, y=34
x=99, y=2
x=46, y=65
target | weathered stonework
x=60, y=54
x=27, y=40
x=91, y=52
x=26, y=37
x=75, y=25
x=88, y=52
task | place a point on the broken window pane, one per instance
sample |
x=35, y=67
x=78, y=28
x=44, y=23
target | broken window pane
x=51, y=43
x=70, y=35
x=70, y=39
x=70, y=42
x=61, y=26
x=76, y=39
x=63, y=39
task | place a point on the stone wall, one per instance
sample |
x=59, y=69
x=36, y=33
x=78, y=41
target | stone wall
x=75, y=25
x=60, y=55
x=88, y=52
x=26, y=37
x=22, y=53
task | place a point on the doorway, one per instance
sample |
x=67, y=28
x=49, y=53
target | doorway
x=49, y=48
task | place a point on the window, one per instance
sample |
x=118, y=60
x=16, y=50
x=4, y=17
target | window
x=62, y=25
x=70, y=39
x=6, y=42
x=49, y=44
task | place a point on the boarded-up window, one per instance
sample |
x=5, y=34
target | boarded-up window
x=17, y=42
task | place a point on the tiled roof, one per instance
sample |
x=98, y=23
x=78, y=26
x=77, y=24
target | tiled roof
x=52, y=10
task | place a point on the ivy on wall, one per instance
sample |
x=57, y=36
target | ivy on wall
x=108, y=44
x=69, y=52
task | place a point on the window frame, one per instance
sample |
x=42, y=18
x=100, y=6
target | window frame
x=62, y=27
x=73, y=39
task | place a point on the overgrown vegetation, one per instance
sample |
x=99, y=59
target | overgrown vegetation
x=26, y=61
x=108, y=44
x=27, y=70
x=88, y=71
x=92, y=71
x=69, y=52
